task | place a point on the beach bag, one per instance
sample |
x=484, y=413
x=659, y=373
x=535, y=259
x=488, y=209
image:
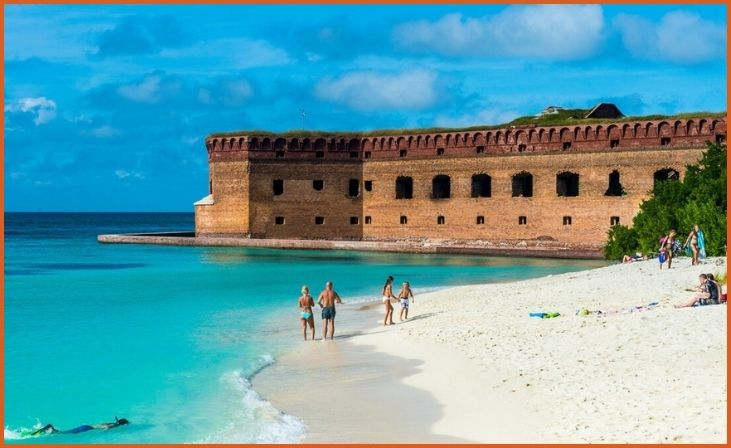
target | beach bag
x=677, y=247
x=662, y=257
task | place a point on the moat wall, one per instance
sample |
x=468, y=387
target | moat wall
x=345, y=188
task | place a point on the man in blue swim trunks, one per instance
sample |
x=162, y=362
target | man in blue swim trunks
x=327, y=300
x=50, y=429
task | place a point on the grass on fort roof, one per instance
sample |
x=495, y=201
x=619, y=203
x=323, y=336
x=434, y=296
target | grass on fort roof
x=565, y=117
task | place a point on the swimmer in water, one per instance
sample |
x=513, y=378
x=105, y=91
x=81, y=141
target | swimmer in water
x=50, y=429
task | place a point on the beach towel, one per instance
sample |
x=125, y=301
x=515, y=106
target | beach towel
x=701, y=244
x=542, y=315
x=634, y=309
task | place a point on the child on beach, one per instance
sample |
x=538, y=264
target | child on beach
x=306, y=302
x=403, y=297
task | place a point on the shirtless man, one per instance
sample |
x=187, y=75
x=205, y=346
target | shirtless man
x=307, y=317
x=327, y=300
x=50, y=429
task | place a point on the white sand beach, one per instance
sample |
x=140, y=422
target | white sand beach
x=472, y=366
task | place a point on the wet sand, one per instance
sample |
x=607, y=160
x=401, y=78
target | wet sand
x=471, y=366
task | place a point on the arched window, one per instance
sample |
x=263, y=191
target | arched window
x=523, y=185
x=481, y=186
x=666, y=174
x=567, y=184
x=404, y=187
x=615, y=187
x=440, y=187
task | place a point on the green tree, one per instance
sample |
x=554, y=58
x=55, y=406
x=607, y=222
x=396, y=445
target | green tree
x=622, y=241
x=700, y=198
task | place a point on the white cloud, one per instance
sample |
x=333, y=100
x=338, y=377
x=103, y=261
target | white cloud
x=482, y=117
x=236, y=53
x=43, y=108
x=563, y=32
x=145, y=91
x=123, y=174
x=369, y=90
x=680, y=37
x=105, y=131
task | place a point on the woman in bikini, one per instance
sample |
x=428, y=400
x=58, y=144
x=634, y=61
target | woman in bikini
x=306, y=318
x=668, y=243
x=693, y=240
x=387, y=296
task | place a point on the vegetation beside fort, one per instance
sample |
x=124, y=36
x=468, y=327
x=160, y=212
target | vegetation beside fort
x=563, y=117
x=700, y=198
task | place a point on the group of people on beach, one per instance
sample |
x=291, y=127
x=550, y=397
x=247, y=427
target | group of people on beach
x=329, y=297
x=709, y=293
x=670, y=246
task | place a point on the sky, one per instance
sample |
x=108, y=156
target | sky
x=107, y=107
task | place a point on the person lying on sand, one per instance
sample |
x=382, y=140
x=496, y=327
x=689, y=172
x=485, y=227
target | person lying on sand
x=708, y=295
x=50, y=429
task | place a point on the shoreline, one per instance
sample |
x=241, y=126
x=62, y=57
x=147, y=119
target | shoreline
x=471, y=366
x=519, y=248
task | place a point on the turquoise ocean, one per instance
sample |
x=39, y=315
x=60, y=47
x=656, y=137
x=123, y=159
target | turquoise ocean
x=169, y=337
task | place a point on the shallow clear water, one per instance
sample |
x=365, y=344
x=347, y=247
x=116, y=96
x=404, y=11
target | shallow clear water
x=168, y=337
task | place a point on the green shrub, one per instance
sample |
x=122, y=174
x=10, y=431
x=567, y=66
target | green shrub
x=622, y=241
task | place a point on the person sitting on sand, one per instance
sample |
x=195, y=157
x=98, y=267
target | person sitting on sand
x=306, y=316
x=50, y=429
x=387, y=293
x=403, y=297
x=327, y=300
x=708, y=295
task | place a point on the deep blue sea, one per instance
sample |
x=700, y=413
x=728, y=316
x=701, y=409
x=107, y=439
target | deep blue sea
x=168, y=337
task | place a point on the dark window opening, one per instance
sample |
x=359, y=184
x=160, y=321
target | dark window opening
x=615, y=187
x=481, y=186
x=614, y=220
x=320, y=154
x=567, y=184
x=402, y=153
x=210, y=187
x=666, y=174
x=404, y=187
x=353, y=188
x=279, y=220
x=404, y=220
x=480, y=220
x=440, y=220
x=353, y=155
x=368, y=185
x=440, y=187
x=523, y=185
x=567, y=220
x=522, y=220
x=665, y=141
x=319, y=220
x=354, y=220
x=613, y=143
x=367, y=155
x=480, y=149
x=367, y=219
x=440, y=151
x=318, y=184
x=278, y=187
x=566, y=145
x=720, y=138
x=279, y=154
x=522, y=148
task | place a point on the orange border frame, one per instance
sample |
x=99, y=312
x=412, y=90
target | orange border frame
x=381, y=2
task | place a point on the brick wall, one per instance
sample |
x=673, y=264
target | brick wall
x=243, y=169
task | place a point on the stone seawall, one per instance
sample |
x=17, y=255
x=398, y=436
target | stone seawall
x=520, y=248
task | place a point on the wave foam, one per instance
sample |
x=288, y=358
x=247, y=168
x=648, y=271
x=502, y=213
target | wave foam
x=257, y=420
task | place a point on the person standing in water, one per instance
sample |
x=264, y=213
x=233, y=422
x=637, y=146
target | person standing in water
x=306, y=317
x=387, y=293
x=327, y=299
x=403, y=297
